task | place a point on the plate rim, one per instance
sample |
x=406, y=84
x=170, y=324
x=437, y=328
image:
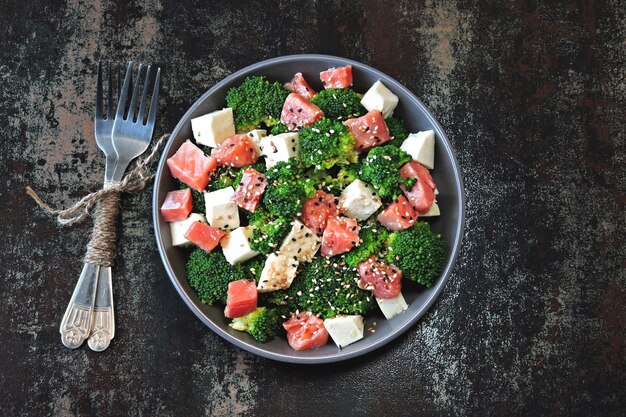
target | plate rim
x=340, y=355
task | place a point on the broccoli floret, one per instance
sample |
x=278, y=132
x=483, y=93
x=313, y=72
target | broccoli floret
x=381, y=169
x=197, y=198
x=418, y=252
x=279, y=128
x=347, y=174
x=345, y=177
x=278, y=298
x=252, y=268
x=371, y=240
x=397, y=131
x=334, y=182
x=269, y=231
x=285, y=199
x=339, y=104
x=327, y=290
x=256, y=101
x=209, y=275
x=287, y=189
x=262, y=324
x=327, y=143
x=224, y=177
x=289, y=170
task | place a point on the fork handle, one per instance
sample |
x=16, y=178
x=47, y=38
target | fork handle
x=76, y=322
x=103, y=320
x=101, y=250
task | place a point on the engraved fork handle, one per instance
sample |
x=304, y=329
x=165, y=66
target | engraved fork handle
x=103, y=318
x=76, y=321
x=90, y=311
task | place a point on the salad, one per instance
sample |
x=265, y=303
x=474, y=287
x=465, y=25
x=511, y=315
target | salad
x=301, y=210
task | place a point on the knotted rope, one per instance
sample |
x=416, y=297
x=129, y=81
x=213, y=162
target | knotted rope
x=101, y=246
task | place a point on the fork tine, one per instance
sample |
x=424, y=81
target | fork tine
x=99, y=93
x=133, y=100
x=110, y=102
x=121, y=104
x=142, y=103
x=155, y=100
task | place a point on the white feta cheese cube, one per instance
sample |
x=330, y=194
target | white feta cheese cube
x=378, y=97
x=391, y=307
x=221, y=212
x=345, y=330
x=278, y=273
x=256, y=135
x=359, y=200
x=280, y=147
x=421, y=147
x=301, y=243
x=178, y=229
x=211, y=129
x=236, y=245
x=433, y=211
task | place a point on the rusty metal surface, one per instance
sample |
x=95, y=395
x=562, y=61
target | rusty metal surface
x=532, y=96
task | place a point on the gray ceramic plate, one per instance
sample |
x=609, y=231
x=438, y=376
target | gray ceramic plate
x=446, y=174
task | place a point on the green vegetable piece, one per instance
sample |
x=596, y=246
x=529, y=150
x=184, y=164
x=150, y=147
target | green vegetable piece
x=397, y=131
x=256, y=101
x=326, y=290
x=418, y=252
x=335, y=185
x=252, y=268
x=224, y=177
x=381, y=169
x=287, y=189
x=262, y=324
x=209, y=275
x=269, y=231
x=327, y=143
x=279, y=128
x=372, y=239
x=339, y=104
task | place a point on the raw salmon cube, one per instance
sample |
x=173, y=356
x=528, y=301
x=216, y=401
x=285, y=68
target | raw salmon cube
x=177, y=205
x=190, y=165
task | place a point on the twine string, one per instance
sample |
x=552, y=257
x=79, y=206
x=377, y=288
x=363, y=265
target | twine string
x=101, y=247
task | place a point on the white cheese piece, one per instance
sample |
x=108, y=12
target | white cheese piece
x=345, y=329
x=236, y=245
x=433, y=211
x=278, y=273
x=280, y=147
x=391, y=307
x=378, y=97
x=359, y=200
x=421, y=147
x=211, y=129
x=178, y=229
x=301, y=243
x=256, y=135
x=221, y=212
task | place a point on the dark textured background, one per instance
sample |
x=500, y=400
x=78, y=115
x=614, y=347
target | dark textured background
x=533, y=98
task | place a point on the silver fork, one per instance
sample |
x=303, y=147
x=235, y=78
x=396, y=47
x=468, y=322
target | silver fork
x=130, y=138
x=77, y=321
x=82, y=319
x=102, y=323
